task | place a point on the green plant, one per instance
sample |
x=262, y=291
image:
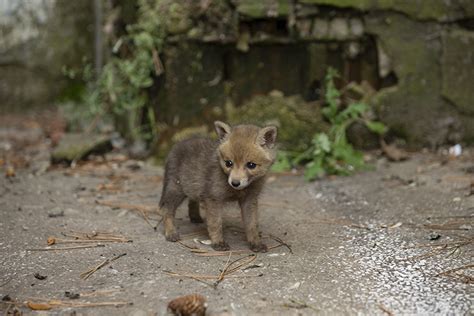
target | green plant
x=120, y=91
x=122, y=87
x=330, y=152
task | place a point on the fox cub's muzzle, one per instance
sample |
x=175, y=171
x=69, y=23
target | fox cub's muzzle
x=238, y=183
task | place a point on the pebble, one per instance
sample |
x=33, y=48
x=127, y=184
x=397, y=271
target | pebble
x=56, y=212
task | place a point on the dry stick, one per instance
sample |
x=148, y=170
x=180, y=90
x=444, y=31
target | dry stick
x=64, y=248
x=444, y=244
x=224, y=274
x=145, y=217
x=6, y=282
x=142, y=209
x=299, y=305
x=278, y=239
x=228, y=270
x=69, y=241
x=205, y=276
x=205, y=253
x=221, y=276
x=194, y=234
x=87, y=304
x=468, y=266
x=188, y=246
x=385, y=310
x=58, y=303
x=87, y=274
x=99, y=292
x=438, y=249
x=145, y=208
x=97, y=236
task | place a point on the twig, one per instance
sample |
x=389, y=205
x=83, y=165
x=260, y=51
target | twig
x=204, y=276
x=385, y=309
x=444, y=244
x=200, y=232
x=221, y=276
x=238, y=264
x=278, y=239
x=229, y=268
x=97, y=236
x=343, y=222
x=468, y=266
x=48, y=304
x=64, y=248
x=99, y=292
x=142, y=209
x=87, y=274
x=138, y=207
x=145, y=217
x=188, y=246
x=159, y=69
x=6, y=282
x=438, y=248
x=299, y=305
x=53, y=241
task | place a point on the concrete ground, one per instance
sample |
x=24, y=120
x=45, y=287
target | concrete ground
x=379, y=242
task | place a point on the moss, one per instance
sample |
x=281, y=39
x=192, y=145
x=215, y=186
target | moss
x=439, y=10
x=458, y=73
x=177, y=18
x=78, y=146
x=265, y=8
x=415, y=107
x=297, y=120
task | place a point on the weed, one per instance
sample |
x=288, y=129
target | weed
x=330, y=152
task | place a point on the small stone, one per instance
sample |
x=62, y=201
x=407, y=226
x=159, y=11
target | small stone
x=71, y=295
x=56, y=212
x=295, y=286
x=434, y=236
x=356, y=27
x=320, y=28
x=40, y=277
x=304, y=27
x=339, y=29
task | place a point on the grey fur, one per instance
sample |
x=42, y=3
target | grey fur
x=194, y=170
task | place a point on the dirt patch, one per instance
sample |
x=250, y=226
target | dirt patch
x=384, y=241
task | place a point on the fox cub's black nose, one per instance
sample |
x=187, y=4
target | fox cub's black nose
x=235, y=183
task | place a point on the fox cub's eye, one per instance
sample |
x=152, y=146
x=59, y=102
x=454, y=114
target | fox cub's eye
x=251, y=165
x=228, y=163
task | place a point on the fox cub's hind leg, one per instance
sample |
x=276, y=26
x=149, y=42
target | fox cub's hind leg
x=171, y=198
x=193, y=209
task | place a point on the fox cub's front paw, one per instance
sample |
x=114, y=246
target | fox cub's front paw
x=172, y=236
x=221, y=246
x=260, y=247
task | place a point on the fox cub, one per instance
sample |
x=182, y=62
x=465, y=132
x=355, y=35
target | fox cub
x=210, y=173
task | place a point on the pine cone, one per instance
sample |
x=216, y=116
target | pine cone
x=188, y=305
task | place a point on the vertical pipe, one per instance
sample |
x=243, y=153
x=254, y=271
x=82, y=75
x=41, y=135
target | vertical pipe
x=98, y=45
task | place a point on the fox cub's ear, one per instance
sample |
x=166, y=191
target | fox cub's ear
x=223, y=130
x=267, y=136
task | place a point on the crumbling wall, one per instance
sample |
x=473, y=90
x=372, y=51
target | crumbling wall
x=418, y=55
x=37, y=40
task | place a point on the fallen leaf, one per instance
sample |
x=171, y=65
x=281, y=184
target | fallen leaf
x=9, y=172
x=38, y=306
x=51, y=241
x=392, y=152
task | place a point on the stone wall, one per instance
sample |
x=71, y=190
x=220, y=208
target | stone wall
x=417, y=54
x=37, y=40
